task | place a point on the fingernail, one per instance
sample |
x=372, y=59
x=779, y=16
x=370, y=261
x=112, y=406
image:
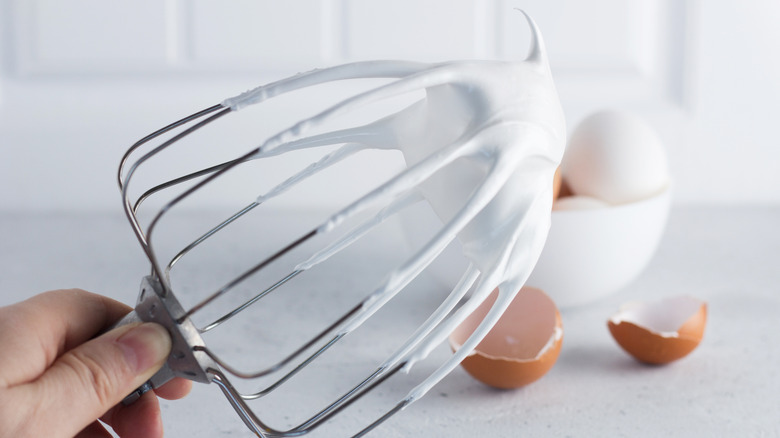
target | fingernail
x=145, y=346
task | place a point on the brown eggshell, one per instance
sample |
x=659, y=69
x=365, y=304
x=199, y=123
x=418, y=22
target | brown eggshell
x=522, y=346
x=564, y=190
x=557, y=181
x=660, y=332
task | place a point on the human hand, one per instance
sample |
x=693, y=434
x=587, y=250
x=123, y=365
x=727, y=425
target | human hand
x=57, y=378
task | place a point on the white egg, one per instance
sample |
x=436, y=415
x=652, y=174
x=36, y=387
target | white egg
x=615, y=157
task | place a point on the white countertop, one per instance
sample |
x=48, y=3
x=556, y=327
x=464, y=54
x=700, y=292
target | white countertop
x=729, y=386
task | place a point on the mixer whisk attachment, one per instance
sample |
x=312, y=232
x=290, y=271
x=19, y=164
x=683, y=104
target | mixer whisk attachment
x=480, y=147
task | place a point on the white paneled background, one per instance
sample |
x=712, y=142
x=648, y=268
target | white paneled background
x=80, y=80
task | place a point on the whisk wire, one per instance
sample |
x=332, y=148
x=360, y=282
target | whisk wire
x=216, y=323
x=321, y=417
x=159, y=132
x=145, y=238
x=207, y=235
x=279, y=365
x=230, y=285
x=177, y=181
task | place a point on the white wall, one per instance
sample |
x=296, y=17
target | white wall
x=83, y=79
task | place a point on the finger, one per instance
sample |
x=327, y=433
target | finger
x=141, y=419
x=94, y=430
x=88, y=380
x=37, y=331
x=175, y=389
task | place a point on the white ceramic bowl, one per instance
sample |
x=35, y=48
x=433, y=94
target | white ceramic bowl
x=589, y=253
x=592, y=253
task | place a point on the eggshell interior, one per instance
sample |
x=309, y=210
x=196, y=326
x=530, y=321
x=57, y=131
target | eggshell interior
x=664, y=317
x=660, y=332
x=521, y=347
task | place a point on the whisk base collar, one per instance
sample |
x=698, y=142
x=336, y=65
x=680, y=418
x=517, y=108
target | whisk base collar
x=185, y=360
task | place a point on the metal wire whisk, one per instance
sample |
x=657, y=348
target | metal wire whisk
x=485, y=127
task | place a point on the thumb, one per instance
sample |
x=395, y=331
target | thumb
x=88, y=380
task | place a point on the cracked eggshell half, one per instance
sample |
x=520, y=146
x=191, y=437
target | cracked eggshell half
x=521, y=348
x=662, y=331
